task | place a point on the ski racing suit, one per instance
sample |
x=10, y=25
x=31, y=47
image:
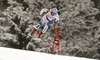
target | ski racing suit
x=47, y=19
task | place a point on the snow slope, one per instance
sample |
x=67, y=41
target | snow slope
x=13, y=54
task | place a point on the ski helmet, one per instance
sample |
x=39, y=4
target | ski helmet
x=54, y=11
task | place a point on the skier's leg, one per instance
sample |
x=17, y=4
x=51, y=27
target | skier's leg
x=32, y=32
x=45, y=28
x=43, y=31
x=37, y=26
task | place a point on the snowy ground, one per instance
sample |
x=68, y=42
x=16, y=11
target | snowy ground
x=13, y=54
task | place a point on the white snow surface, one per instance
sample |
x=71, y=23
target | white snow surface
x=15, y=54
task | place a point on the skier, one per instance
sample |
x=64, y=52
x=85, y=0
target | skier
x=52, y=14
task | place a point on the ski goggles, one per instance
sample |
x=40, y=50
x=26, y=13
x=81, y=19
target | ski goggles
x=53, y=13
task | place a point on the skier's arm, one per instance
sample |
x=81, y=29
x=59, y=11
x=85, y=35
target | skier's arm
x=44, y=10
x=57, y=19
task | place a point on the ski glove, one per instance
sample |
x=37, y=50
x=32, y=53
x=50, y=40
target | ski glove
x=52, y=24
x=40, y=16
